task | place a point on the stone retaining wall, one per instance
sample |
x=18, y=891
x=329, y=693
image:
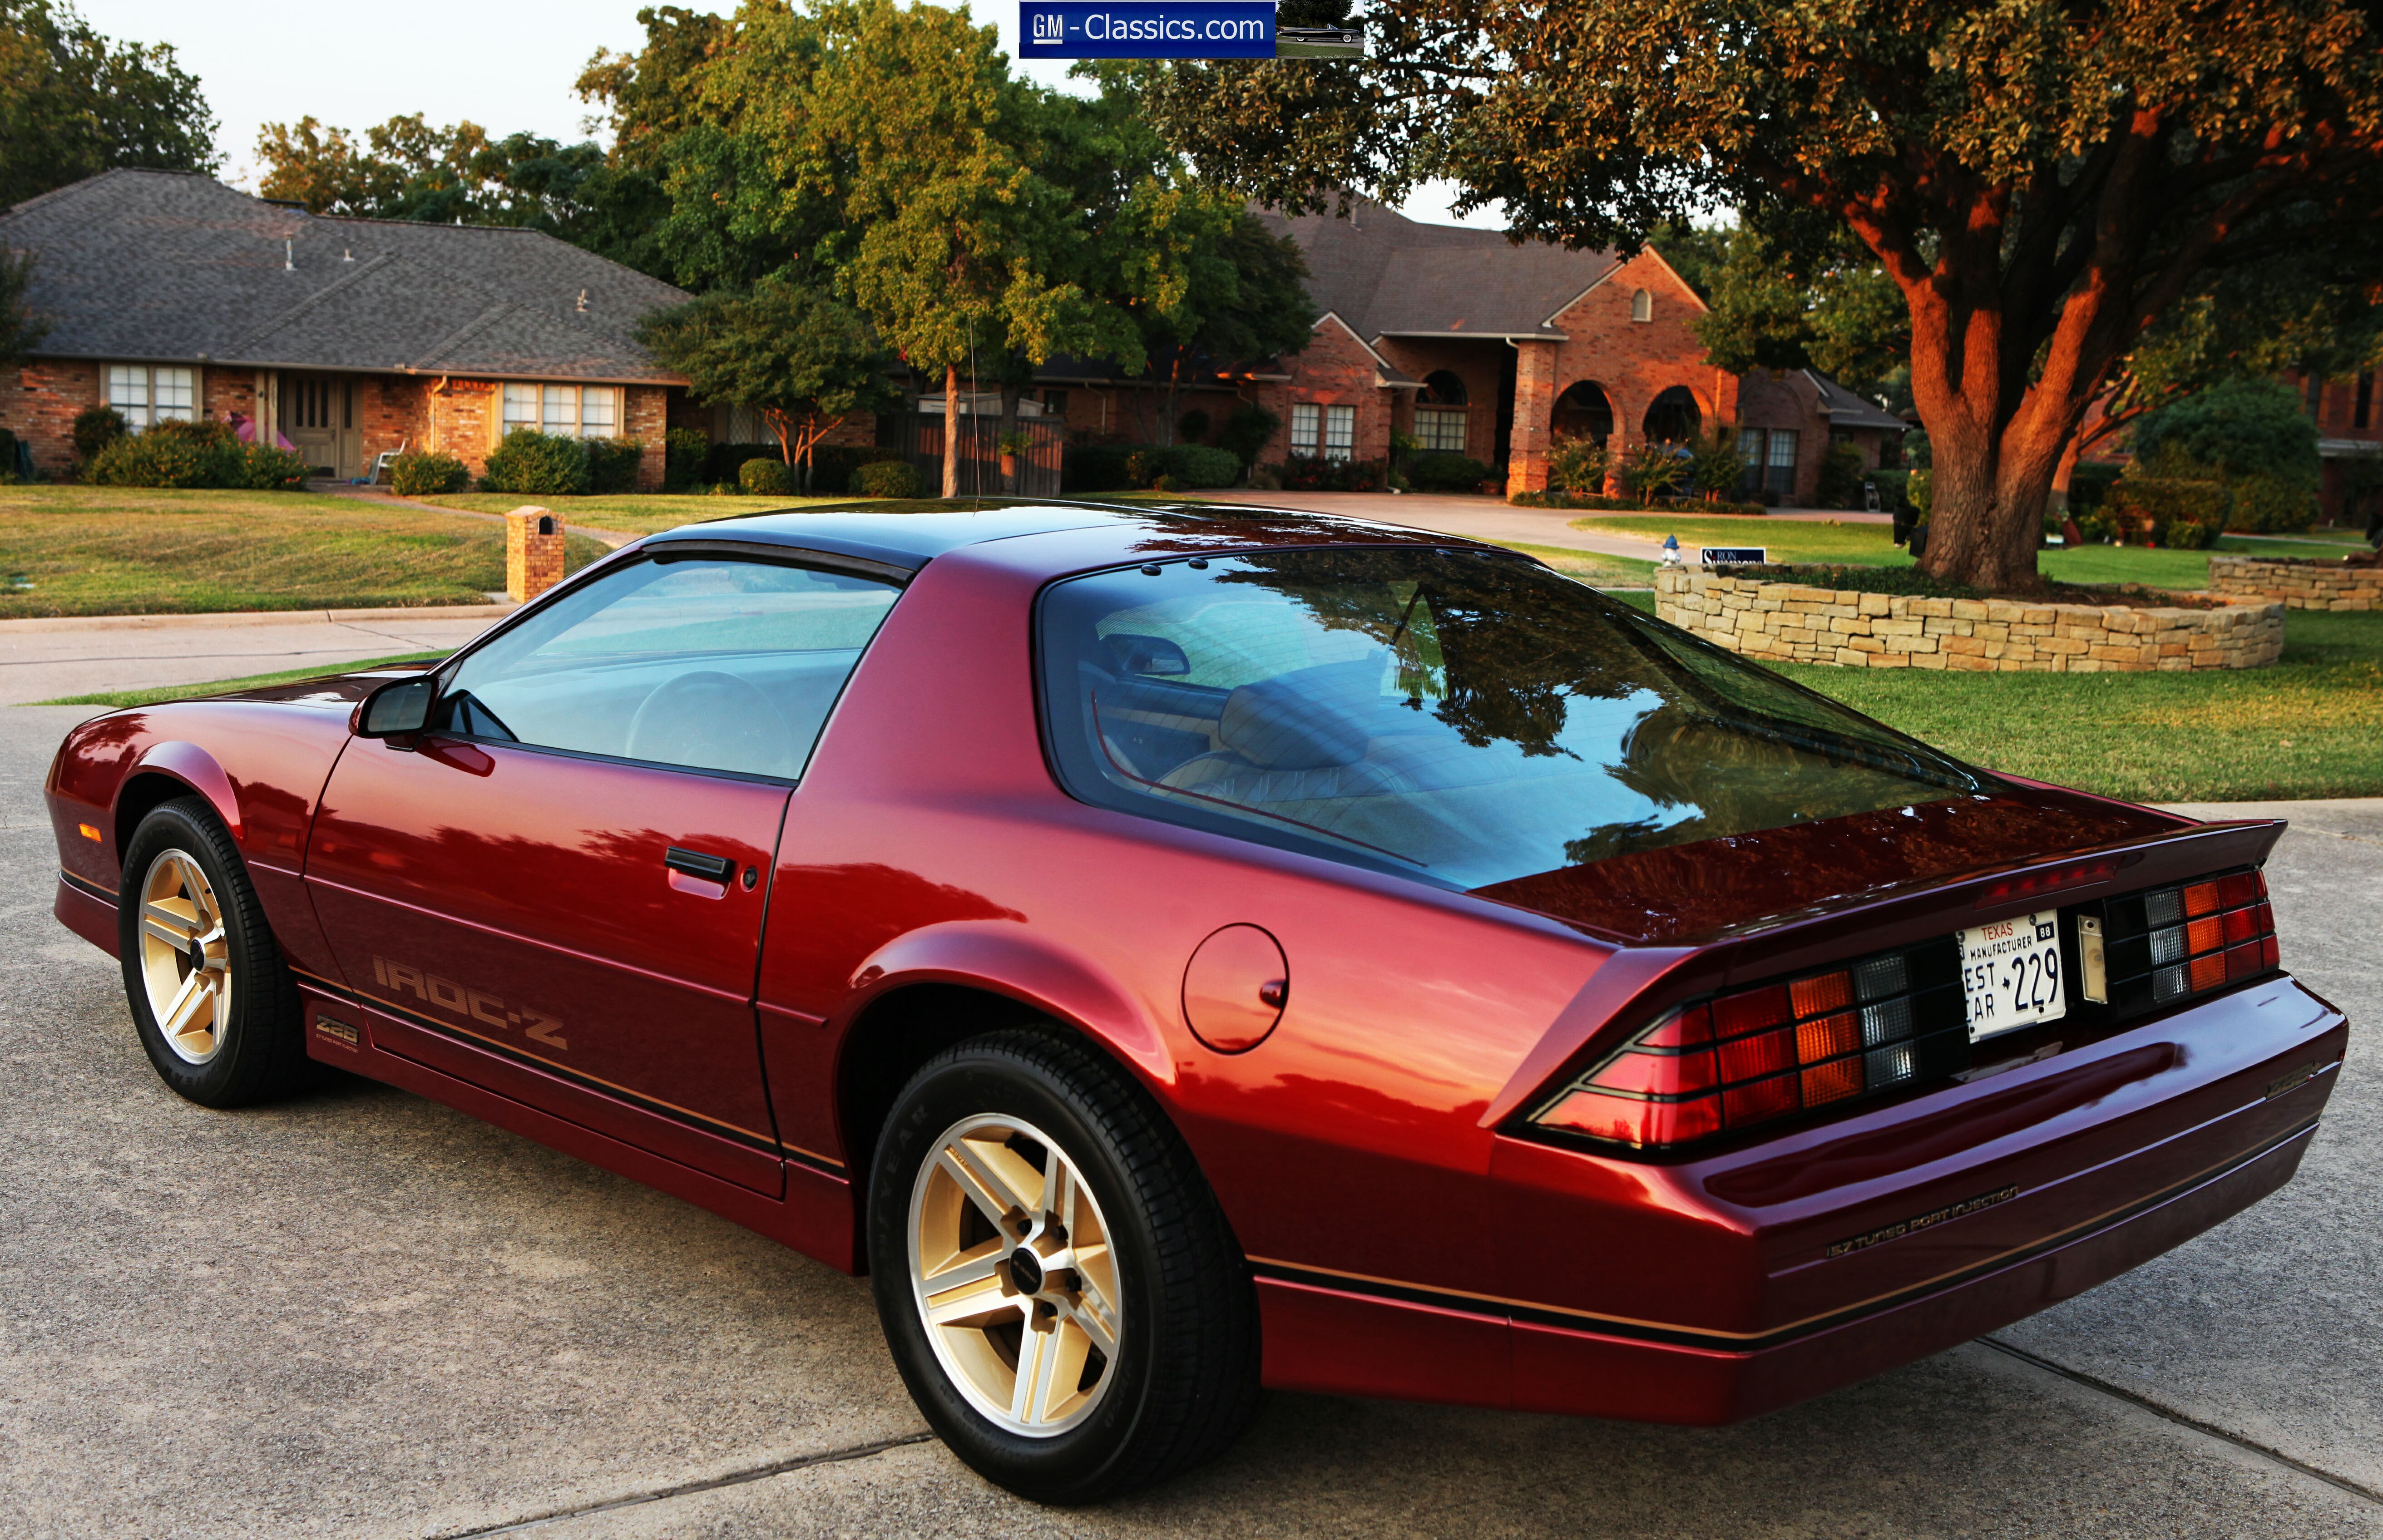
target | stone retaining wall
x=1780, y=622
x=2298, y=585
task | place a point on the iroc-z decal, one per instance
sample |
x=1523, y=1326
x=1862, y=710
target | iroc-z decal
x=473, y=1004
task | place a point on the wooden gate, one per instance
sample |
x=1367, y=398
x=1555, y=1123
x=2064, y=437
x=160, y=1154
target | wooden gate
x=920, y=437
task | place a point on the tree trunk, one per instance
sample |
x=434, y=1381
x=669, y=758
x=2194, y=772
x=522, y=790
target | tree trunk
x=2057, y=505
x=951, y=430
x=1009, y=394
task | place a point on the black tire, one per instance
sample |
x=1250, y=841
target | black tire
x=1183, y=1384
x=259, y=1046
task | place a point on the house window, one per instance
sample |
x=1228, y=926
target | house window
x=1642, y=306
x=567, y=411
x=148, y=395
x=1054, y=403
x=1340, y=432
x=1440, y=428
x=2316, y=394
x=1779, y=469
x=1749, y=450
x=1305, y=420
x=2362, y=410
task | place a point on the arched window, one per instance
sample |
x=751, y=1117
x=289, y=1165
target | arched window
x=1673, y=417
x=1642, y=306
x=1441, y=421
x=1583, y=412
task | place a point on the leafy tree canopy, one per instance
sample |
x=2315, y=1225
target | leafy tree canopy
x=801, y=356
x=73, y=104
x=406, y=168
x=2247, y=428
x=2040, y=182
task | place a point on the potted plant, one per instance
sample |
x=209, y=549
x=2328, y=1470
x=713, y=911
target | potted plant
x=1012, y=444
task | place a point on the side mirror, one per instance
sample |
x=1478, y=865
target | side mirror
x=397, y=710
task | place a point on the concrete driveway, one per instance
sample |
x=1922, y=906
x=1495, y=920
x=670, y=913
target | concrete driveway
x=360, y=1314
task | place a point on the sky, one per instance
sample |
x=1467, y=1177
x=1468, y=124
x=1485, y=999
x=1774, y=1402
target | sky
x=507, y=66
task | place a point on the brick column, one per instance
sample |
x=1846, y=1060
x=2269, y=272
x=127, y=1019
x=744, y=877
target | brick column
x=1617, y=445
x=1535, y=405
x=533, y=553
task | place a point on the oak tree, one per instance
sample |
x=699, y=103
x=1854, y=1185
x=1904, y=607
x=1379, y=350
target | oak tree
x=2040, y=182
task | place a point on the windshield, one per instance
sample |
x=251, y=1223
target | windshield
x=1464, y=717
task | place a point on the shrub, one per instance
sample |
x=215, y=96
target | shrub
x=1303, y=474
x=2184, y=535
x=1246, y=432
x=1191, y=466
x=1893, y=490
x=2089, y=486
x=1192, y=427
x=1576, y=466
x=1142, y=466
x=426, y=473
x=888, y=478
x=266, y=469
x=613, y=464
x=726, y=460
x=537, y=465
x=1446, y=471
x=7, y=458
x=95, y=428
x=685, y=452
x=766, y=478
x=1841, y=469
x=1717, y=467
x=833, y=464
x=172, y=454
x=1655, y=469
x=2157, y=507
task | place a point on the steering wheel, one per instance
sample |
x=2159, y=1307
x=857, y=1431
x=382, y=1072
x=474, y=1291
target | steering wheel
x=712, y=721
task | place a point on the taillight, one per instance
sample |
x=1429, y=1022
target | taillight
x=1749, y=1057
x=2203, y=935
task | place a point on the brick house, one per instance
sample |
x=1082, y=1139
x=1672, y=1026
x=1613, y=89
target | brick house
x=2349, y=427
x=1475, y=344
x=173, y=296
x=1787, y=419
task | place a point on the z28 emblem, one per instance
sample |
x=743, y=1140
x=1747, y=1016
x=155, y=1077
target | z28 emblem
x=475, y=1004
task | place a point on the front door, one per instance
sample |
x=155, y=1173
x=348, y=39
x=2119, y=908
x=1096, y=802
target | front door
x=557, y=893
x=318, y=415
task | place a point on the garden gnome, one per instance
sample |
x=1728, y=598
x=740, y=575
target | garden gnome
x=1671, y=550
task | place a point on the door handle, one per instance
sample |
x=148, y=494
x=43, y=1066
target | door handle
x=695, y=863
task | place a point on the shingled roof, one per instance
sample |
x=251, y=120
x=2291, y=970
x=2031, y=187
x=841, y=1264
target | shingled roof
x=1846, y=410
x=163, y=267
x=1388, y=275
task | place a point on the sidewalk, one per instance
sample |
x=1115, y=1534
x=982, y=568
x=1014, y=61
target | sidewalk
x=42, y=659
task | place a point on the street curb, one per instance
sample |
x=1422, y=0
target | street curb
x=255, y=617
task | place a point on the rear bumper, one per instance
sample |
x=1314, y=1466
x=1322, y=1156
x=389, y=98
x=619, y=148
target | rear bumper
x=1717, y=1290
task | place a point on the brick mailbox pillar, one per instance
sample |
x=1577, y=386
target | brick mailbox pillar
x=533, y=553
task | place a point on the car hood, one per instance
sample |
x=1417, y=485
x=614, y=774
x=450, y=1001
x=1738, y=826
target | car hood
x=1738, y=882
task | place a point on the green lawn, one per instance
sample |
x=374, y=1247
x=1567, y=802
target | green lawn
x=1873, y=545
x=108, y=550
x=2309, y=726
x=631, y=512
x=221, y=686
x=1592, y=567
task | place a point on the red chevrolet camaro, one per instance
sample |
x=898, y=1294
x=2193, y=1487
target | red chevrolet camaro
x=1178, y=952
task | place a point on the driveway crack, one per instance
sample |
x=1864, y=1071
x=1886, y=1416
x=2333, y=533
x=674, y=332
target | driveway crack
x=758, y=1473
x=2170, y=1414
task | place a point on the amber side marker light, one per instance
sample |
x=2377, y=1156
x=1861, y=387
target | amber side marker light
x=88, y=832
x=1875, y=1025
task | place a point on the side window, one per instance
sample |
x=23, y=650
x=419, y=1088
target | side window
x=715, y=664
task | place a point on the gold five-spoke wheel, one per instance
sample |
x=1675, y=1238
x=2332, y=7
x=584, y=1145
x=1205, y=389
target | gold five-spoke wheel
x=1014, y=1277
x=185, y=962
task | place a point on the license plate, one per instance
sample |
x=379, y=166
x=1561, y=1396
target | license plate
x=2010, y=970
